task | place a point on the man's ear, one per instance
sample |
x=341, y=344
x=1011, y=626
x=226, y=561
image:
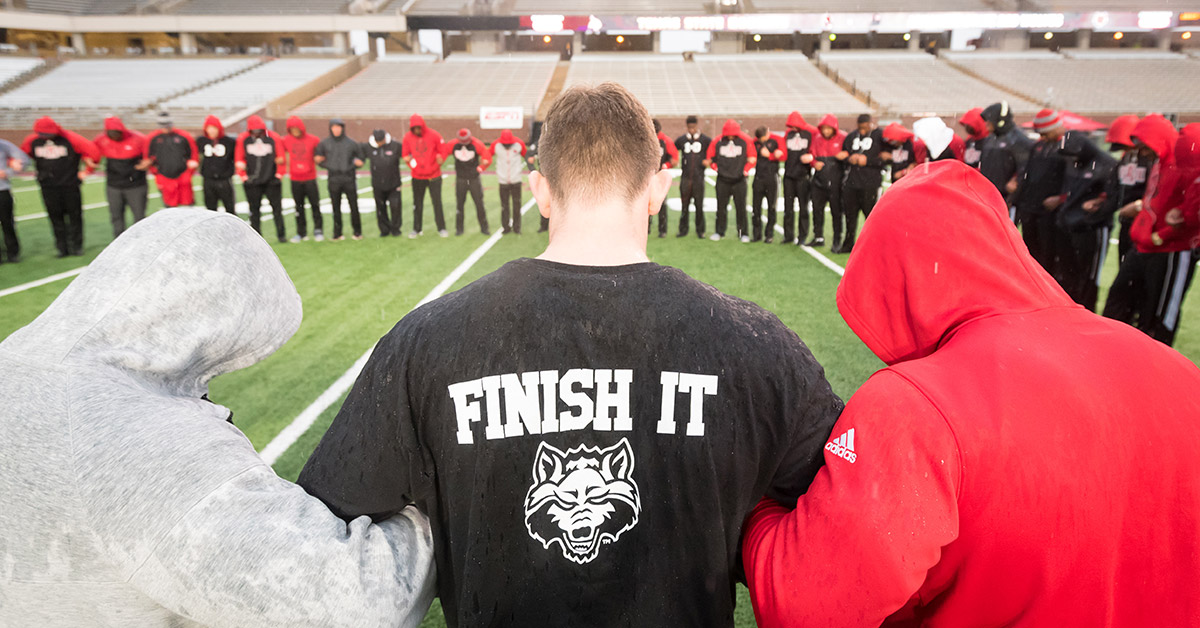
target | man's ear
x=660, y=186
x=540, y=187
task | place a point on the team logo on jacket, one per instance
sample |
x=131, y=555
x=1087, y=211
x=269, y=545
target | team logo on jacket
x=582, y=499
x=214, y=150
x=797, y=142
x=259, y=149
x=731, y=150
x=464, y=154
x=692, y=147
x=843, y=446
x=862, y=143
x=972, y=155
x=1131, y=174
x=50, y=150
x=900, y=155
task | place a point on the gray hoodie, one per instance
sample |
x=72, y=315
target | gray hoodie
x=127, y=500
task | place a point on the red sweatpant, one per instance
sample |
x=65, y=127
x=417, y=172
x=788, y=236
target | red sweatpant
x=178, y=191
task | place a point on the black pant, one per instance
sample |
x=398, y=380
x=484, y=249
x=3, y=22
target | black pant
x=855, y=200
x=64, y=205
x=1124, y=242
x=831, y=196
x=119, y=199
x=218, y=192
x=691, y=193
x=1042, y=238
x=12, y=247
x=1150, y=287
x=662, y=220
x=510, y=207
x=274, y=193
x=389, y=224
x=463, y=186
x=737, y=189
x=795, y=200
x=1080, y=263
x=307, y=191
x=434, y=186
x=544, y=225
x=339, y=186
x=765, y=190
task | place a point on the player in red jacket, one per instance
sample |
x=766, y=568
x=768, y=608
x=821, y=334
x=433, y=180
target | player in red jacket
x=56, y=153
x=977, y=131
x=669, y=156
x=732, y=157
x=172, y=158
x=1000, y=471
x=1155, y=276
x=299, y=150
x=422, y=147
x=904, y=150
x=125, y=171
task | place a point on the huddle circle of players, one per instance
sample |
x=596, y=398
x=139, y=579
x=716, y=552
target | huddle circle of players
x=1062, y=189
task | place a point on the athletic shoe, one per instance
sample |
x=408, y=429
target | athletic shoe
x=357, y=236
x=78, y=252
x=745, y=239
x=338, y=238
x=815, y=242
x=457, y=233
x=442, y=233
x=486, y=232
x=61, y=254
x=13, y=259
x=283, y=240
x=318, y=236
x=384, y=235
x=681, y=235
x=716, y=237
x=662, y=235
x=412, y=235
x=768, y=240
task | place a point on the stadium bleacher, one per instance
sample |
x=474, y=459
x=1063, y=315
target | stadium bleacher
x=610, y=7
x=718, y=85
x=84, y=7
x=82, y=92
x=260, y=7
x=458, y=87
x=872, y=6
x=12, y=68
x=435, y=7
x=916, y=83
x=1093, y=81
x=258, y=85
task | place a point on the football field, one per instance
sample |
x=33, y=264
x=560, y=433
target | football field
x=355, y=291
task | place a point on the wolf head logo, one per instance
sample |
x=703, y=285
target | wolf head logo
x=582, y=498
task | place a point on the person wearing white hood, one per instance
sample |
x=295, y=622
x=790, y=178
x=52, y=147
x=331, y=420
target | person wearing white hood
x=130, y=499
x=940, y=140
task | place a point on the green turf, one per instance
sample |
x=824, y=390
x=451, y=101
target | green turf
x=354, y=292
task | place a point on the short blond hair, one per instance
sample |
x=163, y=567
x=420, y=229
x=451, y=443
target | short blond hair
x=597, y=141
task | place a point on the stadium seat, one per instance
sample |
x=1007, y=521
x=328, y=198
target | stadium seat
x=260, y=7
x=916, y=83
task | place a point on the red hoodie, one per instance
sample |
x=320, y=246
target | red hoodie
x=1000, y=471
x=897, y=134
x=822, y=147
x=87, y=150
x=670, y=154
x=746, y=157
x=264, y=157
x=1120, y=129
x=1178, y=188
x=300, y=151
x=425, y=152
x=132, y=144
x=974, y=123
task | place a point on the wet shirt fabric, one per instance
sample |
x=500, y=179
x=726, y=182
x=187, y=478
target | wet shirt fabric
x=581, y=466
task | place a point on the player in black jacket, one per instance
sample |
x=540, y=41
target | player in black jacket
x=1084, y=217
x=732, y=156
x=692, y=147
x=217, y=165
x=56, y=153
x=769, y=150
x=1002, y=154
x=259, y=161
x=1038, y=194
x=864, y=175
x=341, y=156
x=471, y=158
x=384, y=154
x=797, y=172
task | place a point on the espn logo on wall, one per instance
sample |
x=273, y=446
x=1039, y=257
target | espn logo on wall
x=843, y=446
x=501, y=117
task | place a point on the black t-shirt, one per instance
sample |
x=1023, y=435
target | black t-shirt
x=481, y=408
x=799, y=144
x=871, y=175
x=216, y=157
x=1041, y=178
x=692, y=150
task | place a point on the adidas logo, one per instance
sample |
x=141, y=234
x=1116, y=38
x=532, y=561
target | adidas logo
x=843, y=446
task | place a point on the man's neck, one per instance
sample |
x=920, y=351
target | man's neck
x=597, y=236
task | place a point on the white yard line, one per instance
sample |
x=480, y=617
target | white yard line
x=301, y=424
x=41, y=282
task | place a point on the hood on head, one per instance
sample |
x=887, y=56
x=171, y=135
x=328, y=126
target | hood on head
x=1078, y=145
x=255, y=123
x=214, y=121
x=1187, y=150
x=506, y=137
x=47, y=126
x=337, y=122
x=416, y=120
x=1000, y=115
x=113, y=123
x=934, y=132
x=973, y=121
x=1158, y=134
x=1118, y=132
x=180, y=298
x=731, y=128
x=378, y=138
x=796, y=120
x=829, y=120
x=295, y=122
x=896, y=133
x=939, y=251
